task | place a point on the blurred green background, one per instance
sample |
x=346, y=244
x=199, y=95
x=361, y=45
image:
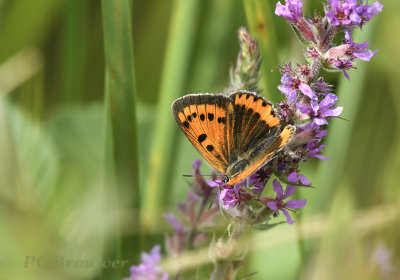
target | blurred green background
x=91, y=156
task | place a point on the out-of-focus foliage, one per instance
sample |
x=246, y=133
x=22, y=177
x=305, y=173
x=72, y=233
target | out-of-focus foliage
x=55, y=195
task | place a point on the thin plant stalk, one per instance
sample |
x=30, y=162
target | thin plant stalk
x=121, y=155
x=173, y=81
x=259, y=19
x=338, y=140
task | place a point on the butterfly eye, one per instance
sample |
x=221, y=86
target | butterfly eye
x=226, y=179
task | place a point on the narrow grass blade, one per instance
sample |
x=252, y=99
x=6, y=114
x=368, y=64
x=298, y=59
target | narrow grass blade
x=176, y=66
x=339, y=133
x=74, y=50
x=121, y=160
x=259, y=19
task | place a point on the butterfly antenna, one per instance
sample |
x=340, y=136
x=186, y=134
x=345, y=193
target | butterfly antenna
x=191, y=175
x=343, y=119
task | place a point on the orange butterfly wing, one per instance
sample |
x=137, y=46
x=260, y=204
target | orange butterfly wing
x=206, y=121
x=257, y=135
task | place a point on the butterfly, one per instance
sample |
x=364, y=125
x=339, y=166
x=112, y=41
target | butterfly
x=235, y=134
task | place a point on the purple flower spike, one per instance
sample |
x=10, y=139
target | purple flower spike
x=291, y=11
x=277, y=204
x=149, y=269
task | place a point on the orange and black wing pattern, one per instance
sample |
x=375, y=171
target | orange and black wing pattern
x=257, y=133
x=236, y=135
x=206, y=120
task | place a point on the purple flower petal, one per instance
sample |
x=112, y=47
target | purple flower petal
x=320, y=121
x=149, y=268
x=334, y=112
x=216, y=183
x=289, y=191
x=288, y=218
x=278, y=189
x=328, y=101
x=365, y=55
x=306, y=90
x=304, y=180
x=177, y=225
x=273, y=205
x=296, y=203
x=292, y=177
x=304, y=109
x=291, y=11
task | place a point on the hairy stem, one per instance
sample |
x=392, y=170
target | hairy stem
x=226, y=253
x=193, y=230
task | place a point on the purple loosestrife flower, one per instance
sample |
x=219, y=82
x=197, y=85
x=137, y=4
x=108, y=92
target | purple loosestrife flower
x=322, y=87
x=149, y=269
x=277, y=204
x=322, y=110
x=344, y=64
x=290, y=86
x=294, y=178
x=258, y=179
x=230, y=196
x=364, y=13
x=351, y=12
x=314, y=150
x=291, y=11
x=340, y=12
x=358, y=50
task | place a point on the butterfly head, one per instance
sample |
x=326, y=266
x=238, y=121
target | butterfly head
x=226, y=179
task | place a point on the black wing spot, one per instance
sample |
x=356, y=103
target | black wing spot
x=221, y=120
x=210, y=116
x=186, y=124
x=264, y=104
x=257, y=115
x=194, y=115
x=202, y=138
x=256, y=98
x=210, y=148
x=248, y=96
x=202, y=117
x=189, y=118
x=250, y=111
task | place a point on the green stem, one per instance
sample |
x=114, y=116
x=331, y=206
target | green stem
x=176, y=66
x=259, y=19
x=223, y=268
x=121, y=155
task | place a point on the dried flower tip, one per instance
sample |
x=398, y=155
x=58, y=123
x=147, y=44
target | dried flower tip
x=245, y=76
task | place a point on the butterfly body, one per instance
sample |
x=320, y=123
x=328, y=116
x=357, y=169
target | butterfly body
x=236, y=134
